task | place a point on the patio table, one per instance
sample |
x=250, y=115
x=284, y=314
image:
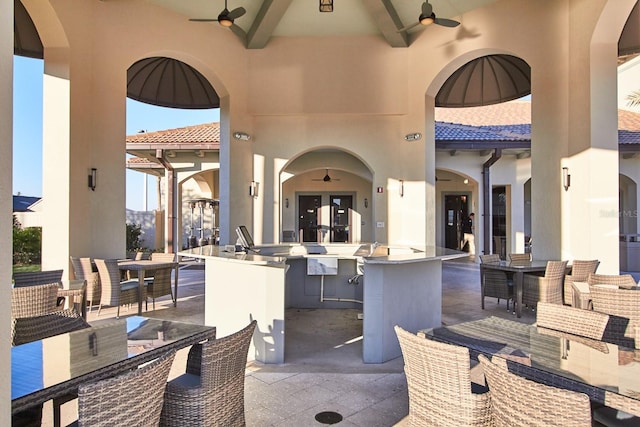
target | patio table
x=55, y=367
x=606, y=372
x=516, y=270
x=141, y=266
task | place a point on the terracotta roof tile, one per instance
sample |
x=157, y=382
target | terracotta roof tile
x=207, y=133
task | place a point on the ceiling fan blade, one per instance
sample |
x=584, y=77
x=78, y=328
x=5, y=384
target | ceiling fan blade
x=203, y=20
x=446, y=22
x=427, y=9
x=415, y=24
x=236, y=13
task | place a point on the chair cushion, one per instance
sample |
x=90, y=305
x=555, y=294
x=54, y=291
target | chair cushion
x=186, y=381
x=613, y=418
x=129, y=284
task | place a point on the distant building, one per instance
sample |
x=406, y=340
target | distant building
x=28, y=210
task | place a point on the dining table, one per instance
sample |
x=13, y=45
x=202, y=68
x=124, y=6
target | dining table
x=517, y=270
x=607, y=372
x=56, y=366
x=142, y=266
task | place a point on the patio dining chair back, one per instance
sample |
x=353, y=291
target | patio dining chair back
x=516, y=401
x=546, y=289
x=36, y=300
x=439, y=384
x=211, y=392
x=580, y=270
x=494, y=283
x=161, y=285
x=619, y=280
x=31, y=278
x=115, y=292
x=520, y=257
x=83, y=268
x=131, y=399
x=624, y=304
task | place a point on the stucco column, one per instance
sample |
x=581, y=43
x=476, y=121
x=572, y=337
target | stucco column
x=6, y=183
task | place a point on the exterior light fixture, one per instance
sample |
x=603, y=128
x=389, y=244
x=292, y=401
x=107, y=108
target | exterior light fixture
x=465, y=181
x=566, y=178
x=242, y=136
x=326, y=5
x=286, y=203
x=93, y=178
x=253, y=189
x=366, y=202
x=413, y=136
x=401, y=187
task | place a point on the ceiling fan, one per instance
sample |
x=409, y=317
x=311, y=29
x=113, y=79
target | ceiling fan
x=326, y=177
x=225, y=18
x=427, y=17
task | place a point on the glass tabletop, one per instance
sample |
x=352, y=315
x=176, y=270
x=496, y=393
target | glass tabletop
x=93, y=353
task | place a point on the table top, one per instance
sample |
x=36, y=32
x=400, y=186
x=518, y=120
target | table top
x=597, y=368
x=55, y=366
x=535, y=265
x=144, y=264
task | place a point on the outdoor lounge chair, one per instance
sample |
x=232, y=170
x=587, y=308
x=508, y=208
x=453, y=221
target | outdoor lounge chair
x=211, y=392
x=130, y=399
x=494, y=283
x=439, y=384
x=516, y=401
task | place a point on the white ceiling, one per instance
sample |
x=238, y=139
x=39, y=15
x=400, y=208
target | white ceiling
x=267, y=18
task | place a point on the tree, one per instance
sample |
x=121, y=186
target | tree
x=633, y=99
x=133, y=237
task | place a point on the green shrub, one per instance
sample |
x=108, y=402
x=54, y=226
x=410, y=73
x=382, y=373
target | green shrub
x=133, y=237
x=27, y=244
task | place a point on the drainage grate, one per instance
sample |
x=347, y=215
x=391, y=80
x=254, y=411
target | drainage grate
x=328, y=417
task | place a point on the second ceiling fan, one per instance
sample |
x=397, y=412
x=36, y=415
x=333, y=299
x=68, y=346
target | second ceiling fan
x=428, y=17
x=326, y=178
x=225, y=18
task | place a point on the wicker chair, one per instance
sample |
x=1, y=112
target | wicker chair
x=114, y=292
x=31, y=278
x=536, y=404
x=131, y=399
x=520, y=257
x=211, y=392
x=585, y=323
x=83, y=269
x=622, y=304
x=158, y=256
x=494, y=283
x=548, y=288
x=160, y=286
x=620, y=280
x=580, y=270
x=36, y=300
x=439, y=384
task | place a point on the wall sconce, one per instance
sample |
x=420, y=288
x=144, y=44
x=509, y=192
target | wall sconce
x=566, y=178
x=465, y=181
x=93, y=178
x=286, y=203
x=401, y=187
x=253, y=189
x=366, y=202
x=413, y=136
x=326, y=5
x=242, y=136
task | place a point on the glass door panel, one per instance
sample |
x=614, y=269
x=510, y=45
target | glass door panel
x=340, y=218
x=308, y=217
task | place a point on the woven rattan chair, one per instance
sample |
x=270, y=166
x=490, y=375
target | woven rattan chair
x=548, y=288
x=516, y=401
x=161, y=285
x=115, y=292
x=580, y=270
x=211, y=392
x=28, y=329
x=624, y=304
x=158, y=256
x=31, y=278
x=36, y=300
x=620, y=280
x=130, y=399
x=83, y=269
x=520, y=257
x=494, y=283
x=439, y=384
x=585, y=323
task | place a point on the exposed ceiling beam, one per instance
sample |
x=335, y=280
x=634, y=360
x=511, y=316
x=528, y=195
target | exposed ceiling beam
x=266, y=22
x=388, y=21
x=523, y=155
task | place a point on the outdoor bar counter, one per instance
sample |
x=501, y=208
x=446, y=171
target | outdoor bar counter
x=392, y=285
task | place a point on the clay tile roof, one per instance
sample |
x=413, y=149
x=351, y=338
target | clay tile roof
x=207, y=133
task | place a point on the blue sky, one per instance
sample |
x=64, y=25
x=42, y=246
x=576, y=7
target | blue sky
x=27, y=132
